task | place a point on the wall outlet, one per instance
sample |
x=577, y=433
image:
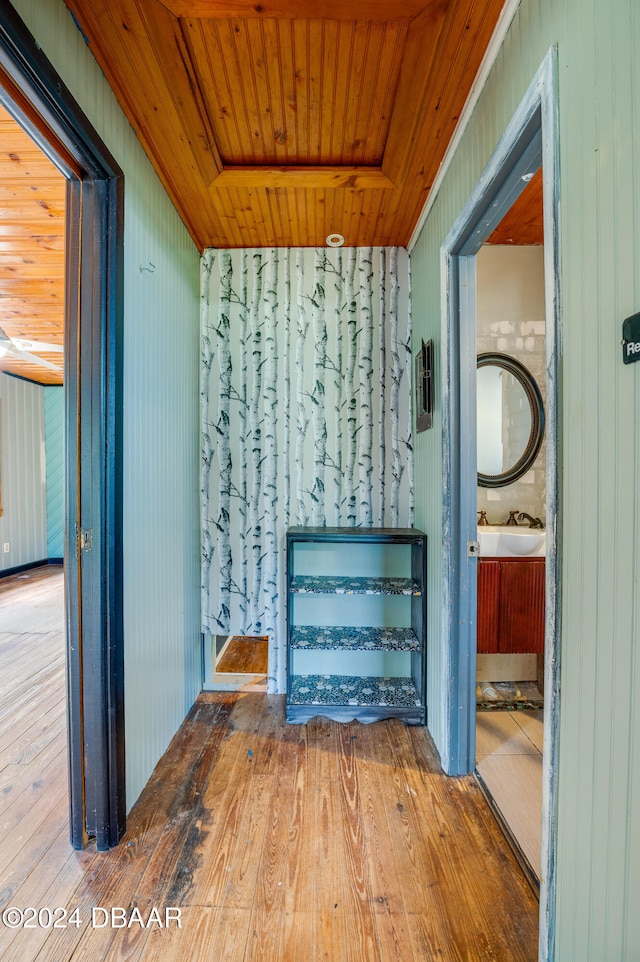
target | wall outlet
x=7, y=547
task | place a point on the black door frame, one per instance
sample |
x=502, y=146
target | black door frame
x=34, y=94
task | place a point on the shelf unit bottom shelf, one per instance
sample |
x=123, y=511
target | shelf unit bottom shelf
x=349, y=698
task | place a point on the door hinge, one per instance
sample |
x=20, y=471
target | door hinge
x=86, y=539
x=473, y=549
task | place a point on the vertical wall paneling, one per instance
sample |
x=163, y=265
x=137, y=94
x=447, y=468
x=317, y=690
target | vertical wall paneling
x=163, y=670
x=340, y=454
x=54, y=446
x=23, y=523
x=598, y=790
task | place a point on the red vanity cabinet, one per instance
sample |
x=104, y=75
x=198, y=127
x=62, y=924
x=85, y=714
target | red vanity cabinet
x=511, y=605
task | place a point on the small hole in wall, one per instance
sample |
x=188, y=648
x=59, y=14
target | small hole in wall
x=238, y=663
x=244, y=654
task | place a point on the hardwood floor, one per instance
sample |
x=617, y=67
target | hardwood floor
x=244, y=655
x=276, y=842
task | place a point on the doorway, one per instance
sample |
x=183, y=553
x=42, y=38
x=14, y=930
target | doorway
x=34, y=95
x=512, y=530
x=530, y=141
x=33, y=763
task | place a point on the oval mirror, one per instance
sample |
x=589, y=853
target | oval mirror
x=510, y=420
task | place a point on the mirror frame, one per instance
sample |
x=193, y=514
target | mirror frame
x=534, y=397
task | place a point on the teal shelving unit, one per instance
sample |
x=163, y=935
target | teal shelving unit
x=356, y=617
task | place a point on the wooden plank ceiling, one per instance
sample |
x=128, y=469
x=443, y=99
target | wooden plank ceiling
x=270, y=124
x=523, y=223
x=278, y=123
x=32, y=252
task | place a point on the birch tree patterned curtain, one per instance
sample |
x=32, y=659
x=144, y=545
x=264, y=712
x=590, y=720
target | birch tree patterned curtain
x=306, y=416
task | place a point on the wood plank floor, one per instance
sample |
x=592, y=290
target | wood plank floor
x=276, y=842
x=244, y=655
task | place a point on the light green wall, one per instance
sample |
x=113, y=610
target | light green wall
x=598, y=849
x=161, y=329
x=54, y=447
x=23, y=523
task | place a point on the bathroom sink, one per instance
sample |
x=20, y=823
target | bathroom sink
x=523, y=541
x=489, y=537
x=500, y=541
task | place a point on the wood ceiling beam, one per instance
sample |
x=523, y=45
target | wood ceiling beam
x=297, y=9
x=418, y=81
x=312, y=178
x=147, y=84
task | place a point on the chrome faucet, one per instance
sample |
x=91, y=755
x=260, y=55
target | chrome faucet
x=533, y=522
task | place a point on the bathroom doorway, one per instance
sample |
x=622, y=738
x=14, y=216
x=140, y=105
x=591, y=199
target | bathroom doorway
x=511, y=455
x=530, y=141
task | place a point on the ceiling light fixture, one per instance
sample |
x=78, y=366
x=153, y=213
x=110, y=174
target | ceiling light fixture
x=335, y=240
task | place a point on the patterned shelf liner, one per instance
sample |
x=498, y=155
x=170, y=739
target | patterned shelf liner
x=312, y=637
x=314, y=585
x=348, y=690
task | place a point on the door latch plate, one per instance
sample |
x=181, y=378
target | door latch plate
x=86, y=539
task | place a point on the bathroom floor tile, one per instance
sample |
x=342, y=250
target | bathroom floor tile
x=499, y=733
x=515, y=784
x=532, y=724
